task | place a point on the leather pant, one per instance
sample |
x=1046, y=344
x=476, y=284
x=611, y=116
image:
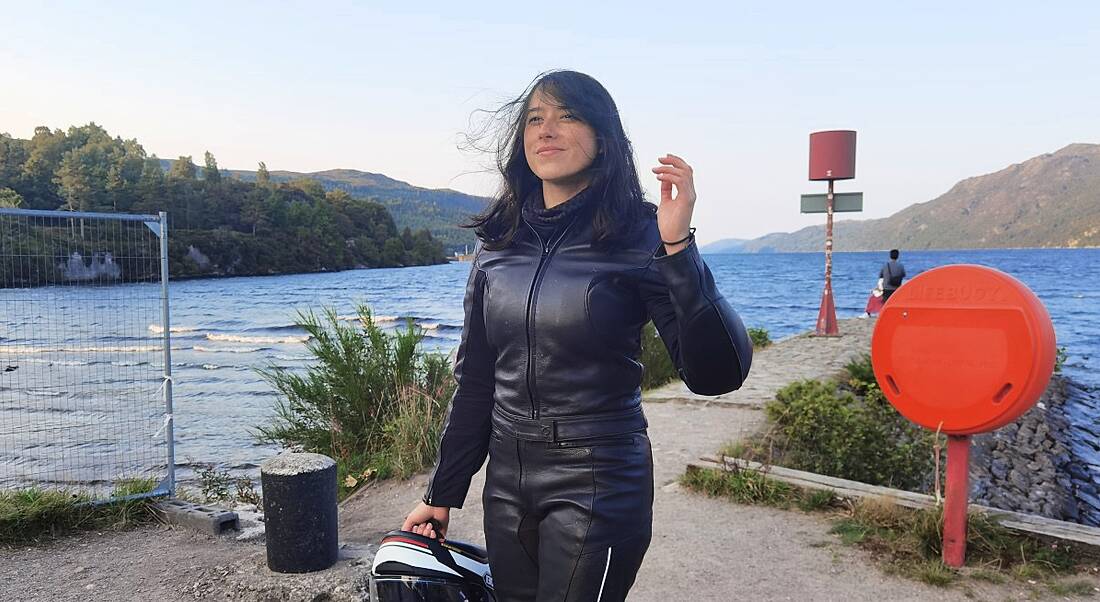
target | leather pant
x=567, y=520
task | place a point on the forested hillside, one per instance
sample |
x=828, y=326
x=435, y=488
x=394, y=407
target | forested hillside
x=438, y=210
x=219, y=225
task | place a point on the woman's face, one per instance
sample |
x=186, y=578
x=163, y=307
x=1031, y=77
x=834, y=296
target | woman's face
x=559, y=147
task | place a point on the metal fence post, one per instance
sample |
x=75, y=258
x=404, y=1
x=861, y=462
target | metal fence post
x=166, y=325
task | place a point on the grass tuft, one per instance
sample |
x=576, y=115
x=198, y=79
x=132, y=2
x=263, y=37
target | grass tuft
x=934, y=572
x=33, y=514
x=1078, y=587
x=741, y=486
x=812, y=501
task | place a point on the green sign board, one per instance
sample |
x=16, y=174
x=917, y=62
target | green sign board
x=842, y=202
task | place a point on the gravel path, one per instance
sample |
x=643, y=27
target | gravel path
x=703, y=549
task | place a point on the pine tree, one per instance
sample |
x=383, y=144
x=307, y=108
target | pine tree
x=262, y=177
x=210, y=172
x=182, y=169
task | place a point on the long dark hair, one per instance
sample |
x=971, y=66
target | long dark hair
x=619, y=200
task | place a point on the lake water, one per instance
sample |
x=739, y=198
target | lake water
x=224, y=329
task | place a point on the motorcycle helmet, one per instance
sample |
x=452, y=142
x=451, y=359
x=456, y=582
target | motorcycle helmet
x=413, y=568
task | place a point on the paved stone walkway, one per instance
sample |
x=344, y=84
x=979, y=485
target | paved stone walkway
x=794, y=358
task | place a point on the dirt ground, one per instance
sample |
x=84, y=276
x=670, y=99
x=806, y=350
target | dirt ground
x=703, y=549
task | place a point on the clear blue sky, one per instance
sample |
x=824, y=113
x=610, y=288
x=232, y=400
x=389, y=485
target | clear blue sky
x=937, y=91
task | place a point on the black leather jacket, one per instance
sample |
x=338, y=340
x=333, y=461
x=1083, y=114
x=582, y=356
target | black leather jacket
x=552, y=332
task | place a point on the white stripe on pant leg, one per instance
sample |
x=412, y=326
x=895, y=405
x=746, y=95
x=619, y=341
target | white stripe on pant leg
x=604, y=580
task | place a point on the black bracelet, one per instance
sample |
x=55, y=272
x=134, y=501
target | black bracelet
x=691, y=235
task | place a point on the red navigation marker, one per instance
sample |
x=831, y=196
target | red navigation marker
x=832, y=157
x=962, y=349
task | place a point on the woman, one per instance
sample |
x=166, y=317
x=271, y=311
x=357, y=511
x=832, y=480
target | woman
x=572, y=262
x=875, y=300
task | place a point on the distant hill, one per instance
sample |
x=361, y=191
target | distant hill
x=1052, y=200
x=726, y=245
x=438, y=210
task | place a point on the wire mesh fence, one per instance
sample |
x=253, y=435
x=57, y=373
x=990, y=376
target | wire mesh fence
x=85, y=360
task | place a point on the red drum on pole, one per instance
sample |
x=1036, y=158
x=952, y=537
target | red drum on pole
x=833, y=155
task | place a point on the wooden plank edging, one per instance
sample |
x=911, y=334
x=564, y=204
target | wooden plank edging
x=1017, y=521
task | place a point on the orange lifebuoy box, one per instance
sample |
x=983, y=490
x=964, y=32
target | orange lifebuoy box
x=963, y=349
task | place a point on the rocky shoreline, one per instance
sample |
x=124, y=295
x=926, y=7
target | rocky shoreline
x=1047, y=462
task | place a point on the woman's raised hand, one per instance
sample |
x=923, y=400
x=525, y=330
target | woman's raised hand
x=674, y=212
x=419, y=521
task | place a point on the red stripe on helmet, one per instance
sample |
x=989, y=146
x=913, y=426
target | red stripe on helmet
x=414, y=542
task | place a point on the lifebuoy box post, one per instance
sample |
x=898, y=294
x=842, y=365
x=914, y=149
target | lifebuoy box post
x=962, y=349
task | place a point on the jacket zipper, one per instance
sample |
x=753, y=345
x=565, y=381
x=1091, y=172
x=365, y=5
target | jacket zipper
x=547, y=250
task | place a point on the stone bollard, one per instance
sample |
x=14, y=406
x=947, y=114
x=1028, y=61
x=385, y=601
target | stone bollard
x=299, y=493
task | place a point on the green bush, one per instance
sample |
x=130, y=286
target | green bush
x=759, y=337
x=829, y=430
x=659, y=369
x=373, y=401
x=1060, y=358
x=246, y=491
x=214, y=483
x=861, y=375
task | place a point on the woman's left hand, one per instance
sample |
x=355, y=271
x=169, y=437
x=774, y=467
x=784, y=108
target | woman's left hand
x=674, y=212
